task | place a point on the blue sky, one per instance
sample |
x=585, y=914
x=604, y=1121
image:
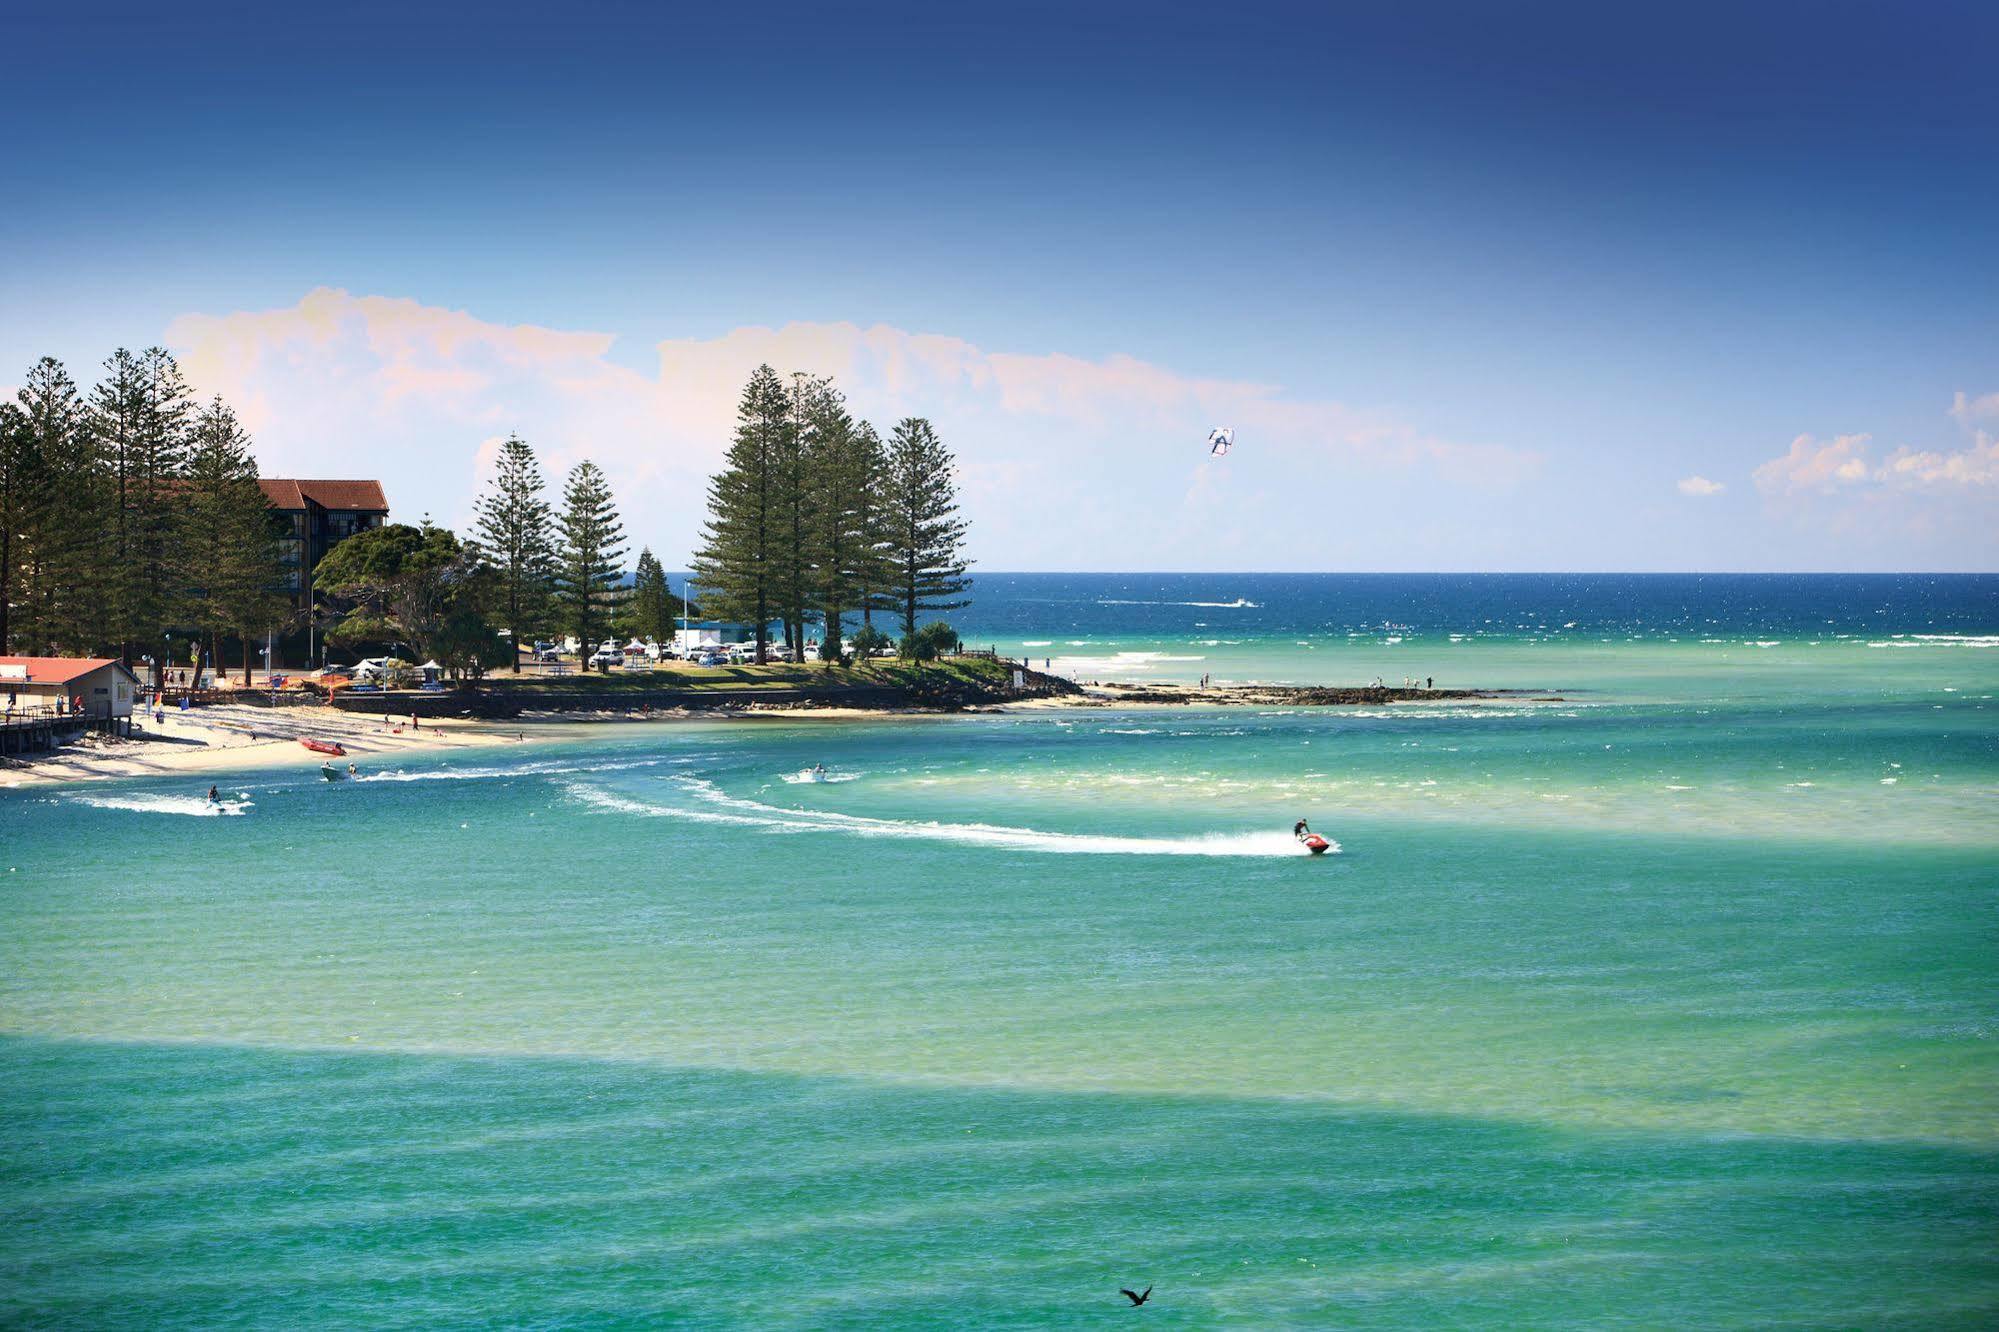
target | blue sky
x=1480, y=286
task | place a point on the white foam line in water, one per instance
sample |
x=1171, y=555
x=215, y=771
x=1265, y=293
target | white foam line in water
x=199, y=807
x=538, y=769
x=741, y=812
x=1240, y=603
x=611, y=802
x=808, y=777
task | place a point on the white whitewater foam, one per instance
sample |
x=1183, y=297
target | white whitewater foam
x=732, y=810
x=807, y=777
x=199, y=807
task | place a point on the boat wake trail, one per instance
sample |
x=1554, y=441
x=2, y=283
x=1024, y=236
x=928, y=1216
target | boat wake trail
x=709, y=804
x=193, y=806
x=533, y=769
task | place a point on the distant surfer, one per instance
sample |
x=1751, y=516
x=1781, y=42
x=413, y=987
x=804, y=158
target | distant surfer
x=214, y=796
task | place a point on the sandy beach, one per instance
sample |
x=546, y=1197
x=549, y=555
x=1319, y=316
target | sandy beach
x=232, y=736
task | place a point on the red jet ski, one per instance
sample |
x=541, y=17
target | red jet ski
x=1310, y=840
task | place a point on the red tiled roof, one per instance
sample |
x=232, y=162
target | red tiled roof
x=281, y=494
x=287, y=493
x=57, y=670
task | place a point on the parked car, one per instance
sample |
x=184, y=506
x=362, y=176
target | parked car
x=609, y=654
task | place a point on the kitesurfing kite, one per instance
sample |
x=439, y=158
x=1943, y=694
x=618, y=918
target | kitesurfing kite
x=1220, y=440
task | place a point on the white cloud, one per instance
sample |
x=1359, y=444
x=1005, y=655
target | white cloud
x=1937, y=501
x=1064, y=459
x=1811, y=465
x=1968, y=409
x=1843, y=463
x=1977, y=465
x=1700, y=486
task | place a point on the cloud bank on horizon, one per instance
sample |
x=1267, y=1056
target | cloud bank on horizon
x=1066, y=462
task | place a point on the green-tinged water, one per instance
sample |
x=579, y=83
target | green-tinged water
x=1670, y=1004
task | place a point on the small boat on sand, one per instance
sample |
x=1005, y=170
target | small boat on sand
x=323, y=747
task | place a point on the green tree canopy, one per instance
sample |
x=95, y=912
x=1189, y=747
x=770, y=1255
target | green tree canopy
x=590, y=560
x=412, y=578
x=55, y=580
x=140, y=415
x=842, y=468
x=226, y=559
x=923, y=533
x=650, y=608
x=516, y=539
x=736, y=566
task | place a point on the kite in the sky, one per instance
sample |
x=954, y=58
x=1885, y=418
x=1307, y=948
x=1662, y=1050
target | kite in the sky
x=1220, y=440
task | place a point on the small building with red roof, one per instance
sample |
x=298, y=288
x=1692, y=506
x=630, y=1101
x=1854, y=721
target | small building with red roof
x=96, y=687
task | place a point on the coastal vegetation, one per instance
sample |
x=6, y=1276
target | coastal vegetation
x=128, y=515
x=588, y=560
x=132, y=524
x=513, y=534
x=813, y=517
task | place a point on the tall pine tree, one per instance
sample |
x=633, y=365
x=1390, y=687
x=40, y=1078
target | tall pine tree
x=591, y=559
x=58, y=516
x=139, y=414
x=14, y=502
x=923, y=533
x=516, y=539
x=735, y=566
x=227, y=563
x=839, y=469
x=649, y=608
x=791, y=566
x=871, y=578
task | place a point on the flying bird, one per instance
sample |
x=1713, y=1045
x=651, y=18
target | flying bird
x=1136, y=1299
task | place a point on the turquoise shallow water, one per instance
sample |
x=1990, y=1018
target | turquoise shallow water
x=1672, y=1003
